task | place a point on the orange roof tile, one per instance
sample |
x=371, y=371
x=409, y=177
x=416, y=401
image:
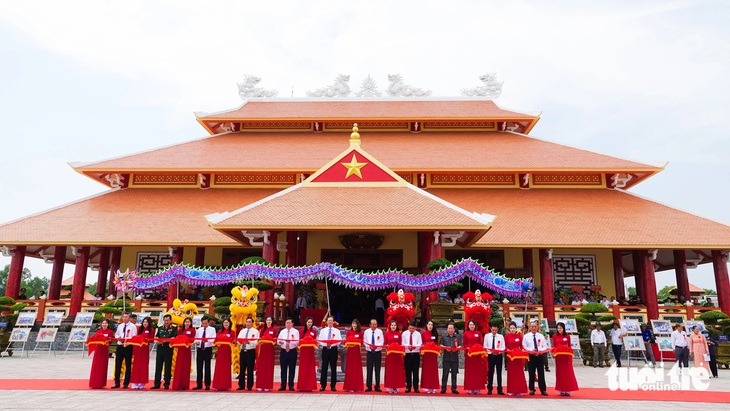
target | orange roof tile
x=360, y=110
x=585, y=218
x=132, y=216
x=317, y=208
x=437, y=151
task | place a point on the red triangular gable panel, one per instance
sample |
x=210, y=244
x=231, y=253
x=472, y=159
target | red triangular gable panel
x=337, y=173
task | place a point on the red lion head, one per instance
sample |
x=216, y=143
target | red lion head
x=401, y=308
x=476, y=307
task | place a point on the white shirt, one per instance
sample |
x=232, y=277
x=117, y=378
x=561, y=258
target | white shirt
x=127, y=332
x=301, y=302
x=679, y=339
x=494, y=340
x=288, y=334
x=249, y=333
x=205, y=332
x=575, y=302
x=328, y=333
x=598, y=337
x=528, y=342
x=606, y=303
x=616, y=336
x=414, y=339
x=459, y=300
x=368, y=339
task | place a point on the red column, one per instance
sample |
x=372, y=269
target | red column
x=103, y=271
x=291, y=261
x=722, y=283
x=649, y=281
x=79, y=285
x=115, y=261
x=547, y=283
x=15, y=274
x=199, y=256
x=424, y=255
x=639, y=273
x=680, y=269
x=59, y=262
x=172, y=289
x=270, y=254
x=527, y=260
x=618, y=274
x=435, y=254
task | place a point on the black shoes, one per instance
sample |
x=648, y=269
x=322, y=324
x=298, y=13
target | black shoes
x=115, y=386
x=155, y=387
x=500, y=392
x=377, y=389
x=240, y=389
x=291, y=388
x=532, y=392
x=416, y=391
x=282, y=388
x=544, y=393
x=368, y=389
x=443, y=391
x=454, y=391
x=198, y=387
x=489, y=392
x=321, y=388
x=408, y=390
x=333, y=389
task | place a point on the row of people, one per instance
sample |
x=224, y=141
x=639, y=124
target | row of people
x=484, y=356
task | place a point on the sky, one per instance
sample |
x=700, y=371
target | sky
x=89, y=80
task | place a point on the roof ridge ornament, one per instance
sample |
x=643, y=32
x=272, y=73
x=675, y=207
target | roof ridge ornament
x=368, y=88
x=397, y=88
x=491, y=89
x=248, y=88
x=340, y=88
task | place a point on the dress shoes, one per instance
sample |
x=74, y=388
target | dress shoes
x=333, y=389
x=500, y=392
x=443, y=391
x=197, y=388
x=455, y=392
x=207, y=388
x=321, y=389
x=377, y=389
x=532, y=392
x=489, y=392
x=416, y=391
x=544, y=393
x=291, y=388
x=115, y=386
x=155, y=387
x=282, y=388
x=240, y=389
x=368, y=389
x=408, y=390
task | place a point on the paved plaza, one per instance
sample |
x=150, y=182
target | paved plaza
x=75, y=367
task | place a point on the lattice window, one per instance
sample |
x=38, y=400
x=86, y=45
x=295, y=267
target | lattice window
x=572, y=270
x=152, y=262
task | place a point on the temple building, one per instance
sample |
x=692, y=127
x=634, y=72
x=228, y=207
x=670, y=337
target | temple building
x=419, y=179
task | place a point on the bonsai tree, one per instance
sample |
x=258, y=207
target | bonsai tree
x=114, y=308
x=588, y=315
x=9, y=310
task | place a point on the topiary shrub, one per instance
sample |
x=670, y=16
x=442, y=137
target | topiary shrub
x=712, y=317
x=498, y=321
x=606, y=318
x=12, y=307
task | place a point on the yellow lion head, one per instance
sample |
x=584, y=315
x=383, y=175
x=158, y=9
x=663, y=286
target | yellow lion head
x=182, y=309
x=243, y=304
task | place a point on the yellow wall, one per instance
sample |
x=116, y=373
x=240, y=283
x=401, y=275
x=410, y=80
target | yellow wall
x=408, y=242
x=604, y=266
x=513, y=258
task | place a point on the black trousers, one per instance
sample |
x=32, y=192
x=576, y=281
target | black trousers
x=495, y=364
x=288, y=365
x=713, y=365
x=412, y=362
x=374, y=361
x=204, y=356
x=536, y=365
x=246, y=362
x=163, y=359
x=329, y=360
x=682, y=356
x=449, y=367
x=617, y=353
x=123, y=354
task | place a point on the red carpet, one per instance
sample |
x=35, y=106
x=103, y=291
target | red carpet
x=584, y=393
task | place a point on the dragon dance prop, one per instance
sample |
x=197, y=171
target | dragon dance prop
x=350, y=278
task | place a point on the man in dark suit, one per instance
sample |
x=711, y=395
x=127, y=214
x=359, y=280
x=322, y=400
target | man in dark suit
x=450, y=358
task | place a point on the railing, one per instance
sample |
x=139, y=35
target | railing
x=154, y=308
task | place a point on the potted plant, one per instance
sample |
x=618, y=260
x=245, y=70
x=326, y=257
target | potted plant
x=8, y=314
x=584, y=320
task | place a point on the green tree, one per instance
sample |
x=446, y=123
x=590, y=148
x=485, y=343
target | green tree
x=91, y=289
x=663, y=294
x=709, y=291
x=632, y=290
x=35, y=285
x=25, y=277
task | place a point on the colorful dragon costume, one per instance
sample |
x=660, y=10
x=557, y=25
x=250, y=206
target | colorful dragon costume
x=401, y=308
x=243, y=305
x=476, y=307
x=182, y=309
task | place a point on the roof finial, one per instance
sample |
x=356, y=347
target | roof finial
x=355, y=135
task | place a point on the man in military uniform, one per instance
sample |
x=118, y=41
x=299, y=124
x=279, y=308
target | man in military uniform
x=164, y=352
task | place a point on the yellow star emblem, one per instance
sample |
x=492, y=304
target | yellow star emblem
x=353, y=167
